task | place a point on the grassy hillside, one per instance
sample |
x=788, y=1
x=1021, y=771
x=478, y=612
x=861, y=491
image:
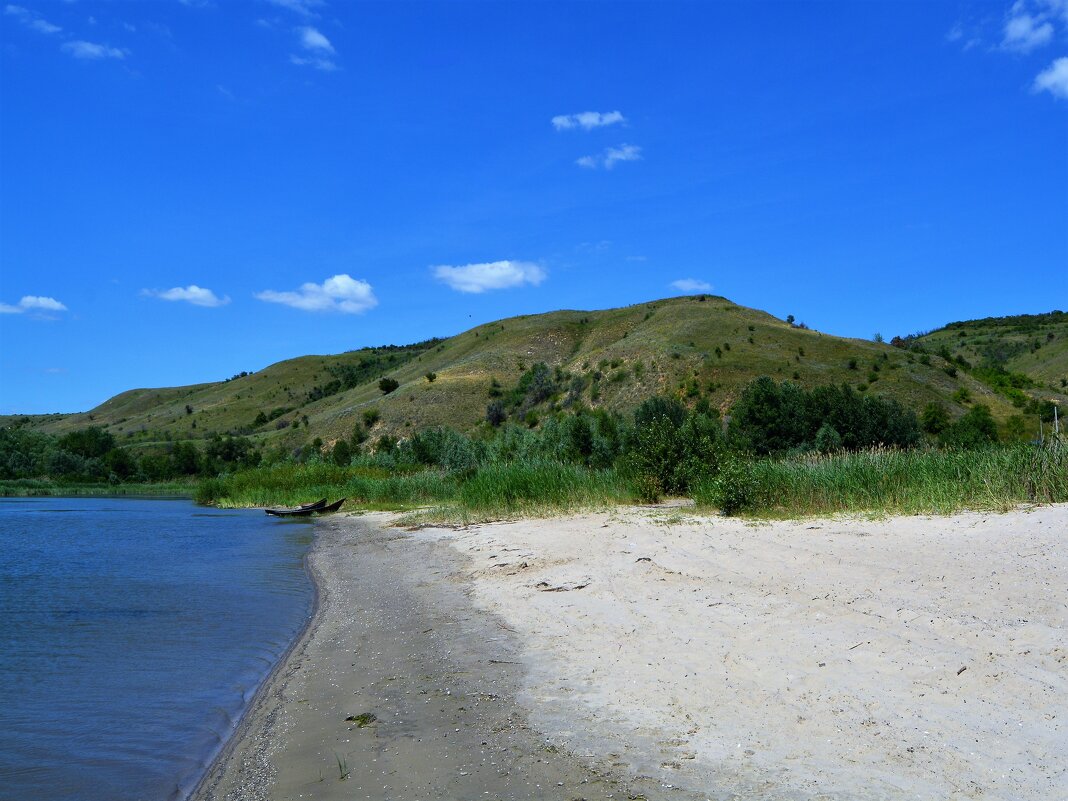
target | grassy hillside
x=700, y=347
x=1035, y=345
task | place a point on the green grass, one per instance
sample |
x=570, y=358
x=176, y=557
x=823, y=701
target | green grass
x=290, y=485
x=491, y=492
x=47, y=487
x=903, y=482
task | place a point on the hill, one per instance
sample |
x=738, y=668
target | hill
x=1035, y=345
x=700, y=348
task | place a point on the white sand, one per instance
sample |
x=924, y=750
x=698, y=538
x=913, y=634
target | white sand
x=815, y=659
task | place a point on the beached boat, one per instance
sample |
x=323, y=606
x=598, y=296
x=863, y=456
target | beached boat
x=318, y=508
x=304, y=508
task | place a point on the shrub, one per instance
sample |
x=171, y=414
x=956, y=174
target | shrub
x=935, y=418
x=370, y=417
x=973, y=430
x=431, y=377
x=387, y=385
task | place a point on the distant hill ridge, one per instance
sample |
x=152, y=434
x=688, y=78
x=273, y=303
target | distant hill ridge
x=700, y=348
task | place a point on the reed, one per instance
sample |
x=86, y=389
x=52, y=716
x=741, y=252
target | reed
x=904, y=482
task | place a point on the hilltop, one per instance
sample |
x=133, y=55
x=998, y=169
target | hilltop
x=699, y=348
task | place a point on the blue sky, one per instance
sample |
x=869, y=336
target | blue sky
x=192, y=189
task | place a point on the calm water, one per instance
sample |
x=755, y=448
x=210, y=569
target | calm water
x=132, y=634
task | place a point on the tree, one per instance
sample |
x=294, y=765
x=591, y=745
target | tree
x=974, y=430
x=387, y=385
x=342, y=453
x=495, y=414
x=935, y=418
x=92, y=442
x=431, y=377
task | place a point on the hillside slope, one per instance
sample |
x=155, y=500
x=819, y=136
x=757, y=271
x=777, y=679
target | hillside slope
x=1035, y=345
x=697, y=347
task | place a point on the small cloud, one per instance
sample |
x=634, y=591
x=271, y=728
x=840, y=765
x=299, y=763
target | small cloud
x=31, y=20
x=33, y=303
x=91, y=50
x=55, y=370
x=479, y=278
x=955, y=34
x=608, y=158
x=691, y=285
x=587, y=120
x=312, y=39
x=1024, y=32
x=198, y=296
x=341, y=293
x=301, y=7
x=1053, y=79
x=637, y=258
x=324, y=64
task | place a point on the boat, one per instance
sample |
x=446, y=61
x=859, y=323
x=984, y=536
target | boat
x=318, y=508
x=304, y=508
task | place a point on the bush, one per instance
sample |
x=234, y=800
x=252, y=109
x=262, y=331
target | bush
x=731, y=489
x=974, y=430
x=387, y=385
x=370, y=417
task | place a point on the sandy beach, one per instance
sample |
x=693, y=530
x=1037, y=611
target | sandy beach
x=650, y=653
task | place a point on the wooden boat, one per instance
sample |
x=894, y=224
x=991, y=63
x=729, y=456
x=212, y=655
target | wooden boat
x=318, y=508
x=303, y=509
x=333, y=507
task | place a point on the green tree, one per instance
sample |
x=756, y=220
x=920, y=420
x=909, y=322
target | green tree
x=342, y=453
x=975, y=429
x=387, y=385
x=934, y=419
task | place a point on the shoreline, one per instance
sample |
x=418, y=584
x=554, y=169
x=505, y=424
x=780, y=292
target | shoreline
x=396, y=638
x=239, y=732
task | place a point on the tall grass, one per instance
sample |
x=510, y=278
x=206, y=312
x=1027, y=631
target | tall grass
x=290, y=485
x=521, y=487
x=34, y=487
x=907, y=482
x=885, y=481
x=493, y=490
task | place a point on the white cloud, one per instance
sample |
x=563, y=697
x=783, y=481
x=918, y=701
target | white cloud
x=197, y=295
x=33, y=303
x=312, y=39
x=691, y=285
x=342, y=293
x=92, y=51
x=31, y=20
x=1024, y=32
x=478, y=278
x=1053, y=79
x=302, y=7
x=324, y=64
x=587, y=120
x=609, y=157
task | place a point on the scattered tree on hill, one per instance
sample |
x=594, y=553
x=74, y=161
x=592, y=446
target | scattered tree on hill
x=387, y=385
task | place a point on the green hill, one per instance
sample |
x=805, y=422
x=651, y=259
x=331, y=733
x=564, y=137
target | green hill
x=696, y=347
x=1035, y=345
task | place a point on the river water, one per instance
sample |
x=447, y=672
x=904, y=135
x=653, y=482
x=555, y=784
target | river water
x=133, y=633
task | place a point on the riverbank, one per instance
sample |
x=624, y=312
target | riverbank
x=651, y=653
x=399, y=688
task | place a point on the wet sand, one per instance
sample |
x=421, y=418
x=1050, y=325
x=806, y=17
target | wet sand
x=395, y=636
